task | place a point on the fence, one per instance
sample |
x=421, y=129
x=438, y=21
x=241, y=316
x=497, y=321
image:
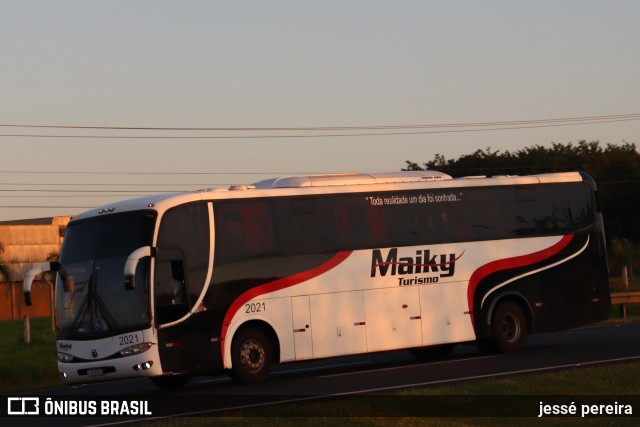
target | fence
x=624, y=298
x=12, y=300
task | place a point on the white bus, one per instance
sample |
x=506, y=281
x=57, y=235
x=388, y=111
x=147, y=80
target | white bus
x=301, y=268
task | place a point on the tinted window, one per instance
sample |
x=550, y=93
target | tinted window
x=572, y=207
x=527, y=211
x=305, y=225
x=244, y=229
x=183, y=260
x=359, y=223
x=107, y=236
x=479, y=216
x=299, y=225
x=91, y=299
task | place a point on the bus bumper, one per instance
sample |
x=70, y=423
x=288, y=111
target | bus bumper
x=145, y=364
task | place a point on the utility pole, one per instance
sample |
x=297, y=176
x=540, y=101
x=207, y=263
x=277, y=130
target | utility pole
x=630, y=258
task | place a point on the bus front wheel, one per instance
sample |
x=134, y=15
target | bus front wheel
x=509, y=327
x=251, y=356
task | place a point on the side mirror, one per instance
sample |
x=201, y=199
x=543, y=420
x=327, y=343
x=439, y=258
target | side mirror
x=132, y=264
x=35, y=271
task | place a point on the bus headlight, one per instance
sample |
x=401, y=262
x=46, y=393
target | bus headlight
x=64, y=357
x=135, y=349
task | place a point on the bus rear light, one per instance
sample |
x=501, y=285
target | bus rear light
x=136, y=349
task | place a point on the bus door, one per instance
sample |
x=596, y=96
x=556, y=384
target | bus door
x=186, y=336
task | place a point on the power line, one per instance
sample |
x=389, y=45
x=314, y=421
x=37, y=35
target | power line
x=437, y=129
x=597, y=119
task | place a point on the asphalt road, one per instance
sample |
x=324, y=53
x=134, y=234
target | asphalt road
x=357, y=375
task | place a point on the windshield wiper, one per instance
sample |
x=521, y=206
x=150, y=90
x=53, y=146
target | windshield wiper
x=95, y=308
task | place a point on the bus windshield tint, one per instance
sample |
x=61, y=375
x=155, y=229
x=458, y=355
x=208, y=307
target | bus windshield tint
x=91, y=299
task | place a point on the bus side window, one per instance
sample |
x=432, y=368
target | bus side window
x=178, y=284
x=572, y=207
x=183, y=255
x=170, y=292
x=402, y=225
x=229, y=240
x=306, y=225
x=437, y=223
x=244, y=229
x=523, y=208
x=258, y=236
x=358, y=226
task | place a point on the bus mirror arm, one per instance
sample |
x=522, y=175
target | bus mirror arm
x=132, y=264
x=34, y=272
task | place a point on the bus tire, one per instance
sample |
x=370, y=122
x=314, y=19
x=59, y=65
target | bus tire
x=170, y=382
x=509, y=327
x=251, y=356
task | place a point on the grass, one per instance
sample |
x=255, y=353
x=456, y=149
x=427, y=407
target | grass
x=27, y=366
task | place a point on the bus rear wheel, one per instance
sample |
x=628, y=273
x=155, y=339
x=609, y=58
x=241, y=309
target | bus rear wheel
x=509, y=327
x=251, y=356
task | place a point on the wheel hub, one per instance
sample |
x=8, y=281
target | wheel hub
x=252, y=356
x=510, y=328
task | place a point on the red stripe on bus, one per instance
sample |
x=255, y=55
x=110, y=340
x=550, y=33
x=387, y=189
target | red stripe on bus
x=277, y=285
x=509, y=263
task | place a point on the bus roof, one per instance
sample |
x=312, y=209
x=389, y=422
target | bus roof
x=352, y=179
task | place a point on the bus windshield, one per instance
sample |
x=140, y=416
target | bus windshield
x=91, y=298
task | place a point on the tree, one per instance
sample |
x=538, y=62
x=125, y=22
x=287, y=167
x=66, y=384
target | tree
x=5, y=270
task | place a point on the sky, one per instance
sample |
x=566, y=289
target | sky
x=280, y=76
